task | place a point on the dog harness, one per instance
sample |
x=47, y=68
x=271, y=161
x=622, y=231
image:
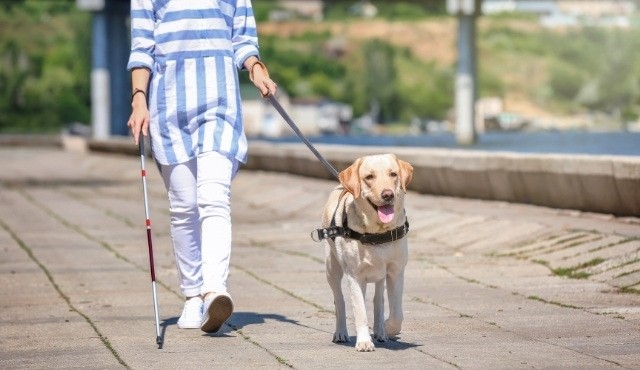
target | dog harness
x=344, y=231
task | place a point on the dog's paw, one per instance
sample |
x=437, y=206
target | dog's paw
x=340, y=337
x=392, y=327
x=365, y=346
x=381, y=336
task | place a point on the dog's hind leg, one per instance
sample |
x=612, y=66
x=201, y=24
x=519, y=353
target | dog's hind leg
x=395, y=287
x=378, y=313
x=334, y=277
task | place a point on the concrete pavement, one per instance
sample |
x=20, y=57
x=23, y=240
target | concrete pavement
x=489, y=284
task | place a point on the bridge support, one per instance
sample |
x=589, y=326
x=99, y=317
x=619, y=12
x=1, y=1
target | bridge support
x=110, y=81
x=466, y=76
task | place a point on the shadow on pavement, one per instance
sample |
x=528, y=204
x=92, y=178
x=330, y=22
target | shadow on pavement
x=163, y=328
x=241, y=319
x=46, y=183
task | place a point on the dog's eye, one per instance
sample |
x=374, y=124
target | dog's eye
x=393, y=174
x=369, y=177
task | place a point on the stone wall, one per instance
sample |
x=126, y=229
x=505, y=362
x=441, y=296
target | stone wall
x=603, y=184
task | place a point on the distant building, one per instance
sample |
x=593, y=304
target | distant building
x=312, y=116
x=308, y=9
x=590, y=8
x=562, y=13
x=524, y=6
x=364, y=9
x=597, y=8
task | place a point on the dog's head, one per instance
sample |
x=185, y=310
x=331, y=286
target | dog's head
x=379, y=180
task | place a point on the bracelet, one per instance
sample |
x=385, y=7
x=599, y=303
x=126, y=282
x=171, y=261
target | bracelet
x=135, y=91
x=264, y=68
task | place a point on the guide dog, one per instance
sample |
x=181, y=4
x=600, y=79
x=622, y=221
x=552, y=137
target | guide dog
x=364, y=227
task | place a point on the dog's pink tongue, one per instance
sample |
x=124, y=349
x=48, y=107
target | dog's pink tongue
x=385, y=214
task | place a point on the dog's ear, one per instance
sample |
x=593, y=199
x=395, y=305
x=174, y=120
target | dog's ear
x=350, y=179
x=406, y=173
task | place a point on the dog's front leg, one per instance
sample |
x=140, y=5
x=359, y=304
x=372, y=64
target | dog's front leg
x=379, y=332
x=358, y=291
x=334, y=277
x=395, y=287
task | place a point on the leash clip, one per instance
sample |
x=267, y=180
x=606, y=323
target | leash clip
x=316, y=235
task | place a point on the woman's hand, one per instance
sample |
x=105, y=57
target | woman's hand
x=259, y=75
x=139, y=120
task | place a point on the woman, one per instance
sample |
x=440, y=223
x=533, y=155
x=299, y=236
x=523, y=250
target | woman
x=184, y=61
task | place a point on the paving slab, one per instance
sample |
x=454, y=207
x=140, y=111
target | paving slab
x=75, y=288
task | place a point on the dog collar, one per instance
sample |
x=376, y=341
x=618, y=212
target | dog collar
x=366, y=238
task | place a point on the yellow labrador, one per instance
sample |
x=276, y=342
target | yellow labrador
x=365, y=225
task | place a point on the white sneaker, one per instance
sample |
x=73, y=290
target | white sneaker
x=191, y=314
x=218, y=307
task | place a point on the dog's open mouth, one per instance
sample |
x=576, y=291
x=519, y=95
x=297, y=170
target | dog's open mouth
x=385, y=212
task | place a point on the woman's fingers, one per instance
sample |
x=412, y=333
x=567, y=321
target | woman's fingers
x=138, y=124
x=266, y=87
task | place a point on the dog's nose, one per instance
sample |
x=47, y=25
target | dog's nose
x=387, y=195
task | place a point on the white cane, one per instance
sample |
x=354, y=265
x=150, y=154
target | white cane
x=148, y=224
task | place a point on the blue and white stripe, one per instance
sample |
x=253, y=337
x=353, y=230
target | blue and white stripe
x=194, y=49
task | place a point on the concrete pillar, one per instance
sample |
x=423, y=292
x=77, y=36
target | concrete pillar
x=465, y=84
x=467, y=11
x=110, y=81
x=118, y=47
x=100, y=78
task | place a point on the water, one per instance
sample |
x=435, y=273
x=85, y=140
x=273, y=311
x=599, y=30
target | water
x=561, y=142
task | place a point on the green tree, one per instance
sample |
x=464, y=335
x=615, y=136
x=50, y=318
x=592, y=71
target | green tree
x=429, y=94
x=618, y=85
x=44, y=66
x=380, y=80
x=565, y=81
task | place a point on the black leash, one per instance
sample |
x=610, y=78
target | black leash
x=295, y=129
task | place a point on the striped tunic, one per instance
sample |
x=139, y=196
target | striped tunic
x=194, y=49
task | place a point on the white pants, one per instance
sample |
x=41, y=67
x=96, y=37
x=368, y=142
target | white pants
x=199, y=203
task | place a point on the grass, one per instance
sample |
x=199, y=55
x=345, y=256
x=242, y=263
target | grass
x=630, y=290
x=574, y=273
x=564, y=305
x=570, y=273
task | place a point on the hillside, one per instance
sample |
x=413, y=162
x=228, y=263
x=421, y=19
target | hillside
x=516, y=56
x=432, y=40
